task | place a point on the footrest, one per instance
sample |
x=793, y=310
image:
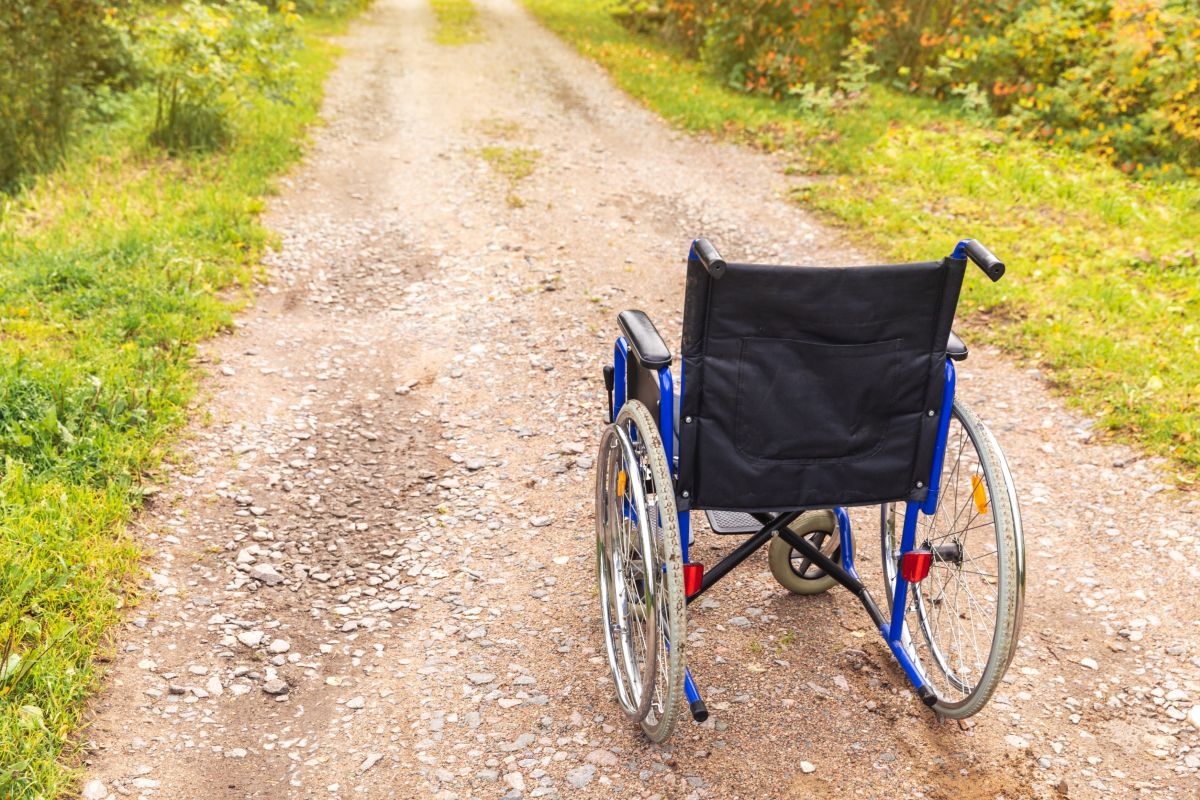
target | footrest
x=732, y=522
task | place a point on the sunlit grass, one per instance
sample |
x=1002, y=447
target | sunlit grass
x=458, y=22
x=1103, y=287
x=514, y=164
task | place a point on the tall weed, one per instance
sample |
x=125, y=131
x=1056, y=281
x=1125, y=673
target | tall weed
x=206, y=60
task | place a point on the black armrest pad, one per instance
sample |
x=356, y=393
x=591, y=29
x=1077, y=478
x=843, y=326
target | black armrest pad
x=644, y=340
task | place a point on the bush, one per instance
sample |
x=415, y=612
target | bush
x=204, y=61
x=1116, y=77
x=327, y=8
x=52, y=53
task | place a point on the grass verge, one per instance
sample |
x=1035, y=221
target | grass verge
x=514, y=164
x=1104, y=283
x=458, y=22
x=111, y=268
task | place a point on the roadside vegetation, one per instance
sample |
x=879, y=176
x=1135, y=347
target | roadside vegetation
x=1099, y=232
x=458, y=22
x=128, y=233
x=514, y=164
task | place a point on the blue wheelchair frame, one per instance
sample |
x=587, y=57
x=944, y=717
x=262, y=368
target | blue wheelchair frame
x=777, y=525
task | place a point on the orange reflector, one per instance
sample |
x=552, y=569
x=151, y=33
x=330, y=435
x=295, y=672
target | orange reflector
x=914, y=565
x=693, y=576
x=979, y=493
x=621, y=483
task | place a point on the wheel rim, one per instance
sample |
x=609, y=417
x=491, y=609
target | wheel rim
x=957, y=608
x=628, y=592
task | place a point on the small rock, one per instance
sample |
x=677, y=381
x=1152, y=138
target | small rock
x=279, y=646
x=275, y=686
x=370, y=761
x=540, y=522
x=250, y=638
x=356, y=702
x=807, y=768
x=581, y=776
x=1193, y=717
x=603, y=758
x=267, y=574
x=739, y=622
x=480, y=678
x=1090, y=663
x=94, y=790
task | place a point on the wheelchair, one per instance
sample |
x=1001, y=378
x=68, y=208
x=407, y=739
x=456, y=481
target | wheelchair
x=804, y=391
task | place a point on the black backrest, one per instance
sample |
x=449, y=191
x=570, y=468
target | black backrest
x=809, y=387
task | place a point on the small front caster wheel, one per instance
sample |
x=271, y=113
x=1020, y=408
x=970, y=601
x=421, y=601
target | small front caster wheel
x=796, y=573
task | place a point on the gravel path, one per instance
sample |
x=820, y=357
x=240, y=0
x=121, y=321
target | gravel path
x=370, y=571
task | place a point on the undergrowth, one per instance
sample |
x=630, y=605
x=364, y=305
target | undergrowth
x=458, y=22
x=514, y=164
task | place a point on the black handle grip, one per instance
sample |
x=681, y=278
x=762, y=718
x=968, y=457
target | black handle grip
x=709, y=257
x=983, y=258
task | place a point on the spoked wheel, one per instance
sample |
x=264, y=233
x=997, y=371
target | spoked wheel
x=640, y=570
x=791, y=569
x=962, y=621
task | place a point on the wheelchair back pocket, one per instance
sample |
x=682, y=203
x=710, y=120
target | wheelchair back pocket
x=804, y=401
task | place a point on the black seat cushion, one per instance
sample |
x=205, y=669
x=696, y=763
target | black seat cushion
x=810, y=387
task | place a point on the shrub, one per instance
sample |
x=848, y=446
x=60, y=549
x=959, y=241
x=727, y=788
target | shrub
x=1117, y=77
x=52, y=52
x=204, y=61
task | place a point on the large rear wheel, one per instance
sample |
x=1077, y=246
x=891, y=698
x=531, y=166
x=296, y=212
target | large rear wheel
x=962, y=621
x=640, y=571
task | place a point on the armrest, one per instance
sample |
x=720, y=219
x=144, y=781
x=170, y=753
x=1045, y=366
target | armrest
x=644, y=340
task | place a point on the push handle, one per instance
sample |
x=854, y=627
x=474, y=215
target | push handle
x=983, y=258
x=709, y=257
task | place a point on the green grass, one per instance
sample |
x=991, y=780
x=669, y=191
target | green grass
x=112, y=267
x=1103, y=288
x=458, y=22
x=514, y=164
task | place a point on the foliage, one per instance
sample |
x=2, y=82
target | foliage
x=514, y=164
x=1119, y=78
x=205, y=60
x=1103, y=289
x=112, y=266
x=318, y=8
x=53, y=53
x=1115, y=77
x=458, y=22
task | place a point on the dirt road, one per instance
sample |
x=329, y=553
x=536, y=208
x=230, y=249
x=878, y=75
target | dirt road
x=371, y=570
